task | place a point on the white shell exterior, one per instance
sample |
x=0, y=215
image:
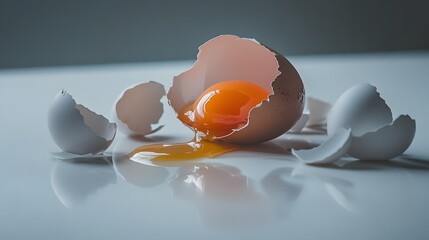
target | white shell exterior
x=361, y=109
x=374, y=136
x=385, y=143
x=76, y=129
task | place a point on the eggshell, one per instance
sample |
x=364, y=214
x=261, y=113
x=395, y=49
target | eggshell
x=229, y=57
x=302, y=122
x=361, y=109
x=385, y=143
x=331, y=150
x=374, y=136
x=76, y=129
x=318, y=112
x=138, y=109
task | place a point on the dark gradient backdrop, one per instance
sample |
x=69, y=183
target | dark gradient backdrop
x=45, y=33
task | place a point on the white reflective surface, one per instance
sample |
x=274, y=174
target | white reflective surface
x=262, y=192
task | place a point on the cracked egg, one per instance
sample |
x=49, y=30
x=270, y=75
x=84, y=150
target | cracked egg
x=238, y=91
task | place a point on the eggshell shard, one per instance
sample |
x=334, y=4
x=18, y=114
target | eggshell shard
x=138, y=109
x=302, y=122
x=385, y=143
x=330, y=151
x=318, y=112
x=76, y=129
x=229, y=57
x=361, y=109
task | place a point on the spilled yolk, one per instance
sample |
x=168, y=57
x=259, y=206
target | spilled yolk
x=182, y=151
x=217, y=112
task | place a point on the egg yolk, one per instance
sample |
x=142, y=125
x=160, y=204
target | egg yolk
x=217, y=112
x=222, y=108
x=182, y=151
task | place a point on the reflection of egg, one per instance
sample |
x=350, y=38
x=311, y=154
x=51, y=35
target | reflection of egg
x=279, y=98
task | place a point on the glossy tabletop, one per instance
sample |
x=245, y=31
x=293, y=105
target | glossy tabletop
x=260, y=192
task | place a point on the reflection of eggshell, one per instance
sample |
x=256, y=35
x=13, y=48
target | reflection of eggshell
x=301, y=123
x=209, y=181
x=140, y=175
x=385, y=143
x=232, y=58
x=318, y=112
x=223, y=195
x=281, y=190
x=73, y=181
x=361, y=109
x=76, y=129
x=138, y=108
x=339, y=196
x=331, y=150
x=144, y=175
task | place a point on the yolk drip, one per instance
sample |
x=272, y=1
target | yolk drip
x=182, y=151
x=222, y=108
x=217, y=112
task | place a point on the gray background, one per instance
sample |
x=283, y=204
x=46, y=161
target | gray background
x=47, y=33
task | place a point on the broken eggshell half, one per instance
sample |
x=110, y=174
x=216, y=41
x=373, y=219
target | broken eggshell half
x=229, y=57
x=76, y=129
x=361, y=109
x=138, y=108
x=374, y=136
x=385, y=143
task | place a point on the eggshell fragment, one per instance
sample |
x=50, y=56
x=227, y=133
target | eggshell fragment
x=374, y=136
x=361, y=109
x=229, y=57
x=138, y=109
x=331, y=150
x=318, y=112
x=76, y=129
x=302, y=122
x=385, y=143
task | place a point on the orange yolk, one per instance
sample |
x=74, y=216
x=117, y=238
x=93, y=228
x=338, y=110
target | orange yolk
x=223, y=108
x=181, y=151
x=217, y=112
